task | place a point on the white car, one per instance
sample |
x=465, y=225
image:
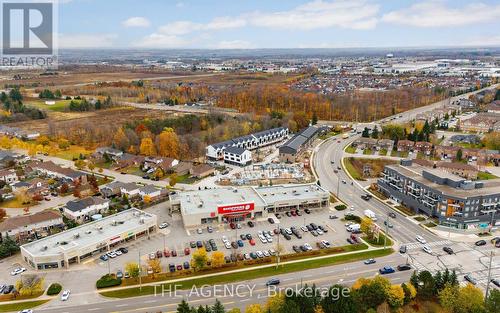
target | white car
x=199, y=231
x=247, y=256
x=227, y=245
x=352, y=208
x=111, y=254
x=421, y=240
x=224, y=239
x=266, y=253
x=65, y=295
x=152, y=256
x=118, y=252
x=263, y=239
x=163, y=225
x=259, y=254
x=26, y=311
x=326, y=243
x=304, y=229
x=272, y=252
x=427, y=249
x=308, y=246
x=17, y=271
x=319, y=231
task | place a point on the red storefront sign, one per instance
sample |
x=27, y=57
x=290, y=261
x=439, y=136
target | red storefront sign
x=235, y=208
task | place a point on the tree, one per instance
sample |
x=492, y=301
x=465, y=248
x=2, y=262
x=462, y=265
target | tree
x=183, y=307
x=375, y=132
x=425, y=286
x=410, y=292
x=448, y=297
x=367, y=226
x=22, y=196
x=254, y=308
x=275, y=303
x=395, y=296
x=314, y=120
x=172, y=180
x=146, y=199
x=492, y=303
x=365, y=133
x=470, y=299
x=199, y=259
x=30, y=285
x=217, y=259
x=426, y=130
x=147, y=147
x=459, y=155
x=3, y=214
x=218, y=307
x=344, y=304
x=133, y=269
x=234, y=310
x=155, y=265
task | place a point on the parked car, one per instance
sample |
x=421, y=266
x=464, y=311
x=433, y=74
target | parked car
x=370, y=261
x=104, y=257
x=386, y=270
x=8, y=289
x=270, y=220
x=186, y=265
x=192, y=244
x=240, y=243
x=187, y=251
x=307, y=211
x=392, y=214
x=402, y=249
x=251, y=224
x=210, y=229
x=166, y=253
x=163, y=225
x=119, y=274
x=17, y=271
x=123, y=250
x=496, y=282
x=159, y=254
x=333, y=217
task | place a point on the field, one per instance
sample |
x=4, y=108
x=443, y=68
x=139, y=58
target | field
x=355, y=166
x=59, y=106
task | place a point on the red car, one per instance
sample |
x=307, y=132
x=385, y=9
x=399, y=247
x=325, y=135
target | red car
x=166, y=253
x=293, y=213
x=252, y=242
x=187, y=251
x=179, y=267
x=354, y=238
x=232, y=225
x=159, y=254
x=174, y=253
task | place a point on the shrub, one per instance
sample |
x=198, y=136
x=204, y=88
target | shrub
x=54, y=289
x=108, y=281
x=352, y=217
x=340, y=207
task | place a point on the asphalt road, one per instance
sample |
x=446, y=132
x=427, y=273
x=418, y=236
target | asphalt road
x=238, y=294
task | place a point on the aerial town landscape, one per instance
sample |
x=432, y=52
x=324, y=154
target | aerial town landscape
x=174, y=174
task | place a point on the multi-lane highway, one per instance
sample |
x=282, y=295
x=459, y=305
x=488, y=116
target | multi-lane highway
x=237, y=294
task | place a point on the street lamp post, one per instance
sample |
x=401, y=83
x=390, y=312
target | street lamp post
x=278, y=246
x=140, y=271
x=386, y=232
x=489, y=277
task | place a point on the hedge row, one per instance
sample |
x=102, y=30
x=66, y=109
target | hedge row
x=108, y=281
x=340, y=207
x=54, y=289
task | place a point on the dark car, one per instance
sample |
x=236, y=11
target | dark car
x=192, y=244
x=307, y=211
x=402, y=249
x=296, y=249
x=234, y=245
x=174, y=253
x=240, y=243
x=298, y=235
x=470, y=279
x=314, y=226
x=249, y=236
x=480, y=243
x=448, y=250
x=287, y=236
x=273, y=281
x=496, y=282
x=251, y=224
x=309, y=228
x=233, y=225
x=288, y=214
x=243, y=237
x=171, y=268
x=253, y=255
x=199, y=244
x=366, y=197
x=392, y=214
x=386, y=270
x=187, y=251
x=208, y=247
x=179, y=267
x=8, y=289
x=298, y=213
x=123, y=250
x=159, y=254
x=349, y=240
x=270, y=220
x=404, y=267
x=323, y=229
x=104, y=257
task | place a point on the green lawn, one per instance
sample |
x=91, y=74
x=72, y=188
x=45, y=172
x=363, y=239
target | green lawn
x=350, y=149
x=59, y=106
x=21, y=305
x=72, y=152
x=15, y=203
x=247, y=275
x=380, y=242
x=352, y=170
x=382, y=152
x=485, y=176
x=368, y=152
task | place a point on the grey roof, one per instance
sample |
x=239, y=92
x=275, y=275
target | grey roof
x=309, y=131
x=235, y=150
x=233, y=141
x=78, y=205
x=148, y=189
x=293, y=144
x=268, y=131
x=223, y=144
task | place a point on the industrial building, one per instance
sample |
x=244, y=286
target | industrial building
x=74, y=245
x=242, y=203
x=292, y=149
x=455, y=201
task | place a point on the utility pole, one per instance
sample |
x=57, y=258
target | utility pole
x=140, y=271
x=489, y=277
x=386, y=232
x=278, y=246
x=338, y=187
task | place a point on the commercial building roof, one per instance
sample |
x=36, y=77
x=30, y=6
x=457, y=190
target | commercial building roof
x=280, y=193
x=91, y=234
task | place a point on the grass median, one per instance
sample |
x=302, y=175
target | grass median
x=21, y=305
x=248, y=275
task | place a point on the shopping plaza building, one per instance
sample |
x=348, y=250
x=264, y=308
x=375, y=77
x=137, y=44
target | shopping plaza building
x=455, y=201
x=76, y=244
x=245, y=203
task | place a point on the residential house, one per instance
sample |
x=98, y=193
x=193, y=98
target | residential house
x=482, y=122
x=127, y=160
x=111, y=189
x=405, y=145
x=81, y=210
x=8, y=176
x=129, y=189
x=150, y=191
x=237, y=156
x=24, y=227
x=183, y=168
x=51, y=169
x=493, y=107
x=365, y=143
x=460, y=169
x=446, y=152
x=300, y=142
x=423, y=146
x=111, y=152
x=386, y=144
x=201, y=170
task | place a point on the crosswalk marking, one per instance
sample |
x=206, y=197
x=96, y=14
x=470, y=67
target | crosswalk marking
x=418, y=245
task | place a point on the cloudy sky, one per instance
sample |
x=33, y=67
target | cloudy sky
x=215, y=24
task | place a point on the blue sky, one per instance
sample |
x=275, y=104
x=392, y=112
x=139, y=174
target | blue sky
x=215, y=24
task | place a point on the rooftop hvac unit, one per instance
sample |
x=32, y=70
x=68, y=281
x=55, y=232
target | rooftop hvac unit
x=77, y=235
x=113, y=223
x=88, y=232
x=44, y=248
x=99, y=228
x=141, y=220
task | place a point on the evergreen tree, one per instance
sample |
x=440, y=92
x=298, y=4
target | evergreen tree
x=366, y=133
x=492, y=303
x=314, y=119
x=459, y=155
x=453, y=278
x=375, y=132
x=218, y=307
x=341, y=305
x=183, y=307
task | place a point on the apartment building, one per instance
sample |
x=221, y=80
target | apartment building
x=455, y=201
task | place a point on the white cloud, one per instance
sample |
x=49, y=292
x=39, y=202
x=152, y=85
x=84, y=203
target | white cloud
x=157, y=40
x=353, y=14
x=435, y=13
x=136, y=21
x=234, y=44
x=86, y=40
x=225, y=23
x=180, y=28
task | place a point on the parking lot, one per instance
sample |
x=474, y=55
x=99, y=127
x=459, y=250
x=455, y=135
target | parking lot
x=176, y=238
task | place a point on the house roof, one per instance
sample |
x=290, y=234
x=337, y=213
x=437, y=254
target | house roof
x=235, y=150
x=26, y=220
x=200, y=169
x=52, y=167
x=149, y=189
x=78, y=205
